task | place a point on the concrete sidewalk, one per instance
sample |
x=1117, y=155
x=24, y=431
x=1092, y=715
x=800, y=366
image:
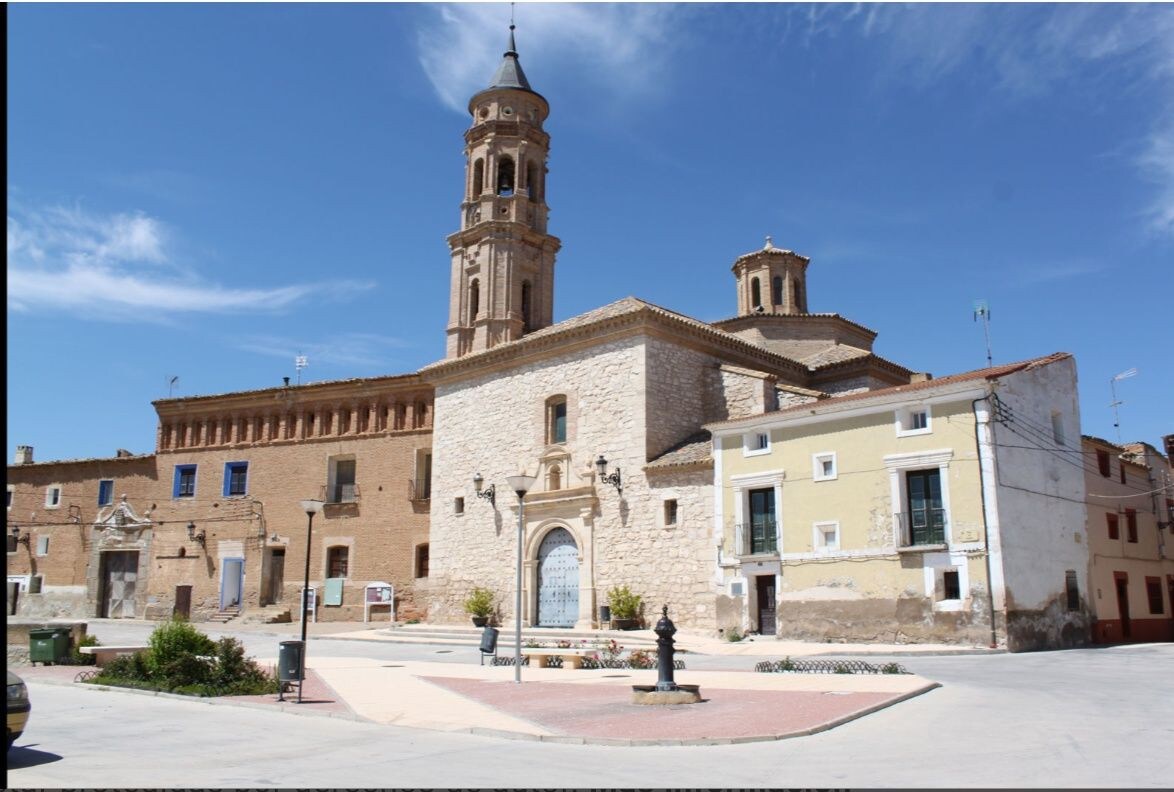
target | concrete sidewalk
x=595, y=706
x=569, y=706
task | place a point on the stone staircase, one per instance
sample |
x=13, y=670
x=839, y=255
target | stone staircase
x=225, y=615
x=452, y=635
x=268, y=614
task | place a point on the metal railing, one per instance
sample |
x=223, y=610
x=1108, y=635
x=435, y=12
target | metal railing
x=340, y=493
x=756, y=537
x=419, y=489
x=929, y=528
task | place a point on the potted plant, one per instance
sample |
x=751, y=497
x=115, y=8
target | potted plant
x=479, y=605
x=625, y=607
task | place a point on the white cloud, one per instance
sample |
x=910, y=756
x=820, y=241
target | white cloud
x=118, y=267
x=1157, y=161
x=625, y=45
x=1024, y=51
x=342, y=350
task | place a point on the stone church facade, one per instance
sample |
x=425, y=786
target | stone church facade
x=395, y=457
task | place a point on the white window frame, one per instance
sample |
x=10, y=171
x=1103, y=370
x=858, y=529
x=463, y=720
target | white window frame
x=900, y=464
x=752, y=443
x=935, y=565
x=817, y=461
x=904, y=420
x=42, y=546
x=819, y=533
x=60, y=493
x=742, y=484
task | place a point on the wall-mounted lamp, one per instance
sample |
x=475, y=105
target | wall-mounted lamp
x=194, y=535
x=490, y=493
x=24, y=540
x=613, y=479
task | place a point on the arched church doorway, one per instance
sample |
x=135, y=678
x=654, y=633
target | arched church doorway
x=558, y=580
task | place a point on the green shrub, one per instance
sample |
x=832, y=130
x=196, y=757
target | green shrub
x=624, y=604
x=842, y=669
x=787, y=664
x=891, y=668
x=173, y=640
x=183, y=660
x=733, y=635
x=479, y=602
x=85, y=659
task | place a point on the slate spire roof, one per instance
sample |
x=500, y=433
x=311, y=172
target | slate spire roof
x=509, y=73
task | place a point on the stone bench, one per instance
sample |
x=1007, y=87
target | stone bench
x=104, y=654
x=572, y=658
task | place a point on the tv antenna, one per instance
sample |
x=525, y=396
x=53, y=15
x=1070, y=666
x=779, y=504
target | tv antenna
x=982, y=309
x=171, y=384
x=1115, y=404
x=300, y=362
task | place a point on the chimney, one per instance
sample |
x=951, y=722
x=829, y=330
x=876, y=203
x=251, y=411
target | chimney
x=286, y=381
x=122, y=453
x=920, y=376
x=24, y=455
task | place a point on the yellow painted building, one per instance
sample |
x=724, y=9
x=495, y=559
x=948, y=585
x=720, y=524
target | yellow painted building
x=889, y=515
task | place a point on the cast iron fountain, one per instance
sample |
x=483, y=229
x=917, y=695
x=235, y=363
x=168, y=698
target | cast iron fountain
x=665, y=691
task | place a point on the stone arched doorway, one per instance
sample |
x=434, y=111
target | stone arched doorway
x=558, y=580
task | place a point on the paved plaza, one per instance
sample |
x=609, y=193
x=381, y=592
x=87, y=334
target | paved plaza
x=392, y=713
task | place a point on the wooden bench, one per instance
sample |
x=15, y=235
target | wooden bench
x=572, y=658
x=104, y=654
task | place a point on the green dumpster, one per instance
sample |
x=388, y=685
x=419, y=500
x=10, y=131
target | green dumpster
x=48, y=645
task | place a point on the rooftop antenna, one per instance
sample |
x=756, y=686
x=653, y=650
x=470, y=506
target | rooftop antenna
x=1115, y=404
x=171, y=384
x=982, y=309
x=300, y=362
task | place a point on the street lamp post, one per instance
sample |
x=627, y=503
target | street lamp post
x=520, y=484
x=311, y=507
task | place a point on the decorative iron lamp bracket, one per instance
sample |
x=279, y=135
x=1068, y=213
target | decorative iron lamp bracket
x=609, y=478
x=489, y=493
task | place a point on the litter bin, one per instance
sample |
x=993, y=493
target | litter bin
x=604, y=617
x=48, y=645
x=289, y=661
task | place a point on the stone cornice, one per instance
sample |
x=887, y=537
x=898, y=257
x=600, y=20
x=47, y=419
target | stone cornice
x=510, y=229
x=737, y=322
x=642, y=319
x=292, y=396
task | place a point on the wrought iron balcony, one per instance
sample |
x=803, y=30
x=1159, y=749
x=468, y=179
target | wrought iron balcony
x=419, y=489
x=340, y=493
x=922, y=527
x=759, y=537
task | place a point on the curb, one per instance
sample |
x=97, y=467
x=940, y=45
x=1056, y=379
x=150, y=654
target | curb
x=569, y=739
x=505, y=734
x=290, y=708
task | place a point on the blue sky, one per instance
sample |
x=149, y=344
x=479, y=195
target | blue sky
x=204, y=191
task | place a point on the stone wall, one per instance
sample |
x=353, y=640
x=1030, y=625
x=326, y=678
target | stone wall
x=492, y=422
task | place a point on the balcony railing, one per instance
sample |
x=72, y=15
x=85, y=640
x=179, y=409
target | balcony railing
x=926, y=527
x=340, y=493
x=419, y=489
x=757, y=537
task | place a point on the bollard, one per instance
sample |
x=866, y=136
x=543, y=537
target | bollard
x=664, y=652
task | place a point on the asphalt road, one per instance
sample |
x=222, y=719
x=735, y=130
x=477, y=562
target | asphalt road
x=1081, y=718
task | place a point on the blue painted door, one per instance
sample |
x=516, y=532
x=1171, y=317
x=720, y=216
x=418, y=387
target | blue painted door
x=558, y=580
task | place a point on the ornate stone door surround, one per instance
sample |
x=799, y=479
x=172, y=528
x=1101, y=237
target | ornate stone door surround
x=574, y=511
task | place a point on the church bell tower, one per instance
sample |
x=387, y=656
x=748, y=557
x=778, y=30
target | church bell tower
x=502, y=257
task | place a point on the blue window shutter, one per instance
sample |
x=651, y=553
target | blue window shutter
x=175, y=486
x=227, y=477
